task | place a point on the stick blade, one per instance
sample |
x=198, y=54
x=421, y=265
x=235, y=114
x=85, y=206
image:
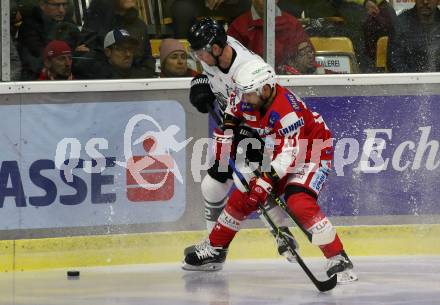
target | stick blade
x=328, y=284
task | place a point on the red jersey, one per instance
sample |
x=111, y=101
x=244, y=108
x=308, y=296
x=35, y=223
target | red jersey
x=292, y=133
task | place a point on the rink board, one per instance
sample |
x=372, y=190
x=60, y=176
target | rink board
x=168, y=247
x=386, y=208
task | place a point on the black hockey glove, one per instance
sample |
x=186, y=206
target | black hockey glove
x=200, y=94
x=252, y=154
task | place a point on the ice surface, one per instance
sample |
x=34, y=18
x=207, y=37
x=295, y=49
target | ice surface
x=411, y=280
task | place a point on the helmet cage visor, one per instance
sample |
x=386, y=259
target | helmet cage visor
x=196, y=54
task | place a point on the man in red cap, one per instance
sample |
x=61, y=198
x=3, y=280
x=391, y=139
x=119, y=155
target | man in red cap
x=57, y=61
x=46, y=20
x=302, y=61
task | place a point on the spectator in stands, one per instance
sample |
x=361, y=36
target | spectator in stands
x=380, y=22
x=15, y=21
x=104, y=16
x=67, y=32
x=329, y=18
x=185, y=12
x=57, y=61
x=25, y=8
x=302, y=61
x=248, y=29
x=174, y=59
x=415, y=47
x=36, y=31
x=118, y=61
x=317, y=8
x=15, y=18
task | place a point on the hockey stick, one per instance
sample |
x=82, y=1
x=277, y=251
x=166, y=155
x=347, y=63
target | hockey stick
x=321, y=285
x=282, y=204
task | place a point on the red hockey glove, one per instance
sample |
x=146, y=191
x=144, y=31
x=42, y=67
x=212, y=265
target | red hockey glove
x=259, y=190
x=223, y=144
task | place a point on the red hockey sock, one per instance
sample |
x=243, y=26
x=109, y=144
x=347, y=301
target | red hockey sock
x=229, y=221
x=308, y=213
x=333, y=248
x=228, y=224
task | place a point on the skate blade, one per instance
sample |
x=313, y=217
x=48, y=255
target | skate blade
x=346, y=277
x=207, y=267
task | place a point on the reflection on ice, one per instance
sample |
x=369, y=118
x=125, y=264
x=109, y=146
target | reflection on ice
x=411, y=280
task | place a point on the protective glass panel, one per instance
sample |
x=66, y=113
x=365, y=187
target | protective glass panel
x=375, y=36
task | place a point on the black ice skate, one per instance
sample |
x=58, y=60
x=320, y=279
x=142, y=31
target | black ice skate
x=283, y=248
x=195, y=247
x=205, y=258
x=342, y=266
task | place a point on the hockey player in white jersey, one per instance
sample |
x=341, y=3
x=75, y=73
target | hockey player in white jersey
x=220, y=56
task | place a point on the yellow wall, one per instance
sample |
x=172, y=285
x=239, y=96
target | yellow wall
x=168, y=247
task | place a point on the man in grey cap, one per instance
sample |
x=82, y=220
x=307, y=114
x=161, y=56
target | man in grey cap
x=119, y=49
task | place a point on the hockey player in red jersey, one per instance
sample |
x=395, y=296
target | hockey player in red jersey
x=300, y=146
x=220, y=56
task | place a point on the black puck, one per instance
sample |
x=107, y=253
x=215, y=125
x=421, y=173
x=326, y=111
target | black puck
x=72, y=273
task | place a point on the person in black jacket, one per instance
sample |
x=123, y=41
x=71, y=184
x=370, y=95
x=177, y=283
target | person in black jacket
x=106, y=15
x=39, y=27
x=184, y=13
x=117, y=59
x=416, y=45
x=380, y=21
x=320, y=20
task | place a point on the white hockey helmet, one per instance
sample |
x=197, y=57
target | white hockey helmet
x=253, y=75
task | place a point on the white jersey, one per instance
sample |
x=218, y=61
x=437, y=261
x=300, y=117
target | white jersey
x=221, y=83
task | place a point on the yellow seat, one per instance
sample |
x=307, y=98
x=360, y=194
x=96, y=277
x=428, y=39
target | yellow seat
x=334, y=44
x=381, y=53
x=155, y=45
x=334, y=48
x=167, y=20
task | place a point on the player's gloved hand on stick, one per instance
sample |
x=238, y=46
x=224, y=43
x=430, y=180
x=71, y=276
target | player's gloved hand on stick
x=222, y=144
x=259, y=189
x=200, y=94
